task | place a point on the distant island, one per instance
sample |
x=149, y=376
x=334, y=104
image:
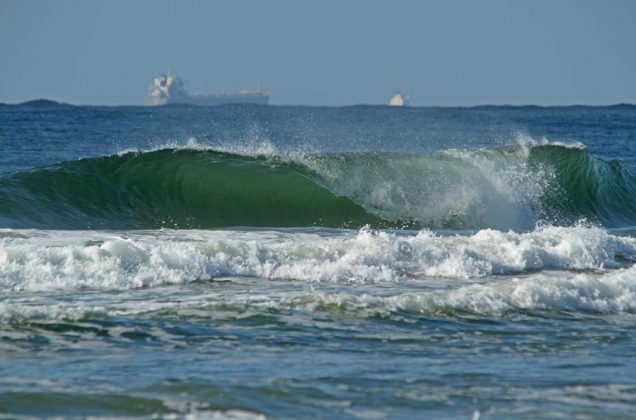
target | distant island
x=42, y=102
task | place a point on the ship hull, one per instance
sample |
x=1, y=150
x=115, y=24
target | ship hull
x=213, y=100
x=168, y=89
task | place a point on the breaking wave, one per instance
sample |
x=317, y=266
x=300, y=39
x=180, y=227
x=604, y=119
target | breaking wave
x=54, y=260
x=489, y=273
x=518, y=187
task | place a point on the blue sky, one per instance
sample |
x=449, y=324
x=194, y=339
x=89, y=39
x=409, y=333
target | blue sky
x=452, y=52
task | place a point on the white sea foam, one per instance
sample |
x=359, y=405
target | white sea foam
x=50, y=260
x=527, y=141
x=610, y=292
x=455, y=188
x=613, y=292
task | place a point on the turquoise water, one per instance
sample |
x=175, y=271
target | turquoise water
x=248, y=262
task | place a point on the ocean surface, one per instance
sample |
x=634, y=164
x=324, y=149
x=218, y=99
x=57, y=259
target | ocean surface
x=316, y=262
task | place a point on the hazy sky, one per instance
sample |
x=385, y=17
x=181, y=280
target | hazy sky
x=323, y=52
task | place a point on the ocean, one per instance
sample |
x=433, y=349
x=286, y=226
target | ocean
x=322, y=262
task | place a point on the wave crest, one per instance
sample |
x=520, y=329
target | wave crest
x=517, y=187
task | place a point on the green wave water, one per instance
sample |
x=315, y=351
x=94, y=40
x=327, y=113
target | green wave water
x=516, y=187
x=583, y=186
x=175, y=188
x=524, y=320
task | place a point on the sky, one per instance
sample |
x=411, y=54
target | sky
x=333, y=52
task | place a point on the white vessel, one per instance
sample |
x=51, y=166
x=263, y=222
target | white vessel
x=168, y=89
x=399, y=100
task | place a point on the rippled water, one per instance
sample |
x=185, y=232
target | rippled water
x=472, y=263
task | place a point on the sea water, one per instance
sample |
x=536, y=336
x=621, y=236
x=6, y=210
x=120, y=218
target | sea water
x=367, y=261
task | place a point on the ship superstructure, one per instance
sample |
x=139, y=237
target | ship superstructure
x=168, y=89
x=399, y=99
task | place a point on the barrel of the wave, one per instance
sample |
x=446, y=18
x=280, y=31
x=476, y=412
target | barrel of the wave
x=582, y=187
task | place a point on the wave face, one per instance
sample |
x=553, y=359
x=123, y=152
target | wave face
x=516, y=187
x=174, y=188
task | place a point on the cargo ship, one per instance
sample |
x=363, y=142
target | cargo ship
x=168, y=89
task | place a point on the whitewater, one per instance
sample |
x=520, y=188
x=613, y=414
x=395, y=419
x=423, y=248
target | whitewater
x=257, y=261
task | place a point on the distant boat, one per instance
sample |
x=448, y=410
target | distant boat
x=168, y=89
x=399, y=100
